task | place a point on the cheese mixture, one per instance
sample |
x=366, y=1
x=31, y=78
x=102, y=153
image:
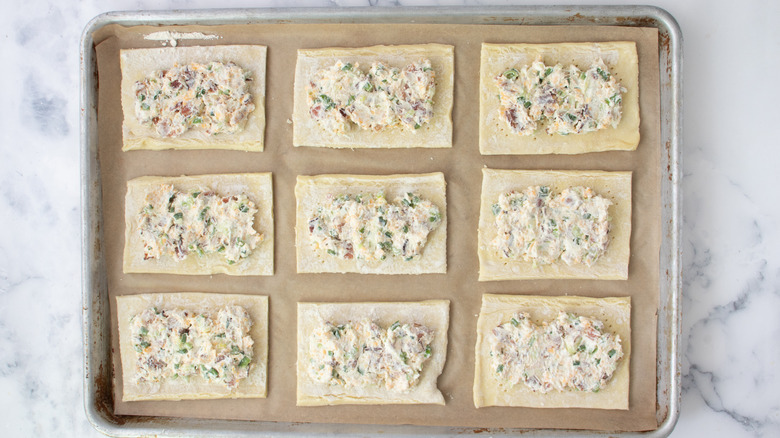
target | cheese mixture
x=571, y=352
x=173, y=344
x=384, y=97
x=367, y=227
x=202, y=222
x=569, y=100
x=363, y=354
x=540, y=226
x=211, y=97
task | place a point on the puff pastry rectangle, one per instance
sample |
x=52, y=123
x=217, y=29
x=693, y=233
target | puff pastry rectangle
x=495, y=136
x=437, y=133
x=257, y=186
x=253, y=386
x=434, y=314
x=615, y=313
x=310, y=191
x=136, y=64
x=612, y=265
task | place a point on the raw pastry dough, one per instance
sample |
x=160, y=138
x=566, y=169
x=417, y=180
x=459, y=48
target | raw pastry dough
x=613, y=265
x=495, y=137
x=437, y=133
x=615, y=313
x=311, y=191
x=253, y=386
x=138, y=63
x=257, y=186
x=434, y=314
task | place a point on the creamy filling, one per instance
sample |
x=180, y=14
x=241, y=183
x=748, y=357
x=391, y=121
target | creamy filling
x=343, y=96
x=569, y=353
x=212, y=97
x=539, y=226
x=566, y=99
x=179, y=344
x=202, y=222
x=368, y=227
x=363, y=354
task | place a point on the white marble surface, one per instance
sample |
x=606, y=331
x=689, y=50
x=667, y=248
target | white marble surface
x=731, y=243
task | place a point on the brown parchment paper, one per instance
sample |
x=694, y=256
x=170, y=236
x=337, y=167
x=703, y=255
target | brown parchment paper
x=461, y=166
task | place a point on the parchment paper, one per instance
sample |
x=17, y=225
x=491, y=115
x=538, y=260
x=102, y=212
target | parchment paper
x=461, y=166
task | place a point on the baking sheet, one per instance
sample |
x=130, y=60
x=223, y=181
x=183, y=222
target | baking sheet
x=461, y=166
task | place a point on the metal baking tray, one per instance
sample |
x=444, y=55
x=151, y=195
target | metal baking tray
x=98, y=396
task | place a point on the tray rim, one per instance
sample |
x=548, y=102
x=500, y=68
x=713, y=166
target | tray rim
x=98, y=402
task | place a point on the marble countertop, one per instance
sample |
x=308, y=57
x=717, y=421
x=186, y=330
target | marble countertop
x=731, y=255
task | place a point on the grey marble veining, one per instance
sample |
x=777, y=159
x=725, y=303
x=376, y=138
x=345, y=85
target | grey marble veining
x=731, y=242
